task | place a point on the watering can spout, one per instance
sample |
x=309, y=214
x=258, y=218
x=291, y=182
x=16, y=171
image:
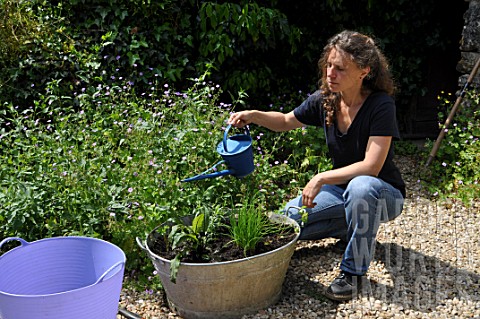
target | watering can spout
x=212, y=175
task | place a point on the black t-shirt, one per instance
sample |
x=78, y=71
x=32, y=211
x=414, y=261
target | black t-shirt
x=376, y=117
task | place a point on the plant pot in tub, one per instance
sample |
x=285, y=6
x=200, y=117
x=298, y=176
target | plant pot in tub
x=219, y=265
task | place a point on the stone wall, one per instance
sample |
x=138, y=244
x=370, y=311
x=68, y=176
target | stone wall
x=470, y=44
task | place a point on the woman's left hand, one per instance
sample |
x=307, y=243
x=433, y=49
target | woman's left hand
x=311, y=190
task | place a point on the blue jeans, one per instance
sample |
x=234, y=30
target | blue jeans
x=353, y=215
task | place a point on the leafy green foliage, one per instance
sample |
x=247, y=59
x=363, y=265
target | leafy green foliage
x=257, y=46
x=454, y=172
x=193, y=239
x=77, y=42
x=17, y=27
x=232, y=33
x=108, y=161
x=35, y=50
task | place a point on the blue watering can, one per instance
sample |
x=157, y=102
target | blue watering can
x=237, y=154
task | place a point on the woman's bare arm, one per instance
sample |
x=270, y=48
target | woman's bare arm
x=275, y=121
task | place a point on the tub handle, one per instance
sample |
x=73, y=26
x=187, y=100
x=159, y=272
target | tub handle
x=23, y=242
x=144, y=248
x=140, y=244
x=102, y=277
x=290, y=207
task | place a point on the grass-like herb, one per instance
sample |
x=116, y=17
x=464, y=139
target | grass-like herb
x=249, y=225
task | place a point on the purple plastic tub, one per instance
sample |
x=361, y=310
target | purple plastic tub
x=61, y=277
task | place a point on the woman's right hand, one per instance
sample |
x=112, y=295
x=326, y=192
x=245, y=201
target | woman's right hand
x=274, y=121
x=240, y=119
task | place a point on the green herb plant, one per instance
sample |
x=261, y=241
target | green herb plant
x=250, y=225
x=193, y=239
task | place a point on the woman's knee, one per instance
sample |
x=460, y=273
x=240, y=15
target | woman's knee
x=363, y=187
x=368, y=193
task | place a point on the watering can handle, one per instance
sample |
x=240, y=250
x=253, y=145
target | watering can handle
x=226, y=134
x=102, y=277
x=23, y=242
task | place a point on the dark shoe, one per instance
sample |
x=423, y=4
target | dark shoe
x=339, y=247
x=344, y=287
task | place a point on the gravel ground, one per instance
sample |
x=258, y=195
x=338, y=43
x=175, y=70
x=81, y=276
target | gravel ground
x=426, y=265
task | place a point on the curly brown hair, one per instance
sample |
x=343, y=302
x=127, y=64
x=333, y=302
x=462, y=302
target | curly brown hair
x=363, y=51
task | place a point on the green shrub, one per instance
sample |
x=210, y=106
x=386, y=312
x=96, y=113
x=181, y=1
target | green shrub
x=109, y=162
x=454, y=171
x=80, y=43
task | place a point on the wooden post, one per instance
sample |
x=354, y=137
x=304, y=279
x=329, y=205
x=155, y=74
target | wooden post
x=443, y=131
